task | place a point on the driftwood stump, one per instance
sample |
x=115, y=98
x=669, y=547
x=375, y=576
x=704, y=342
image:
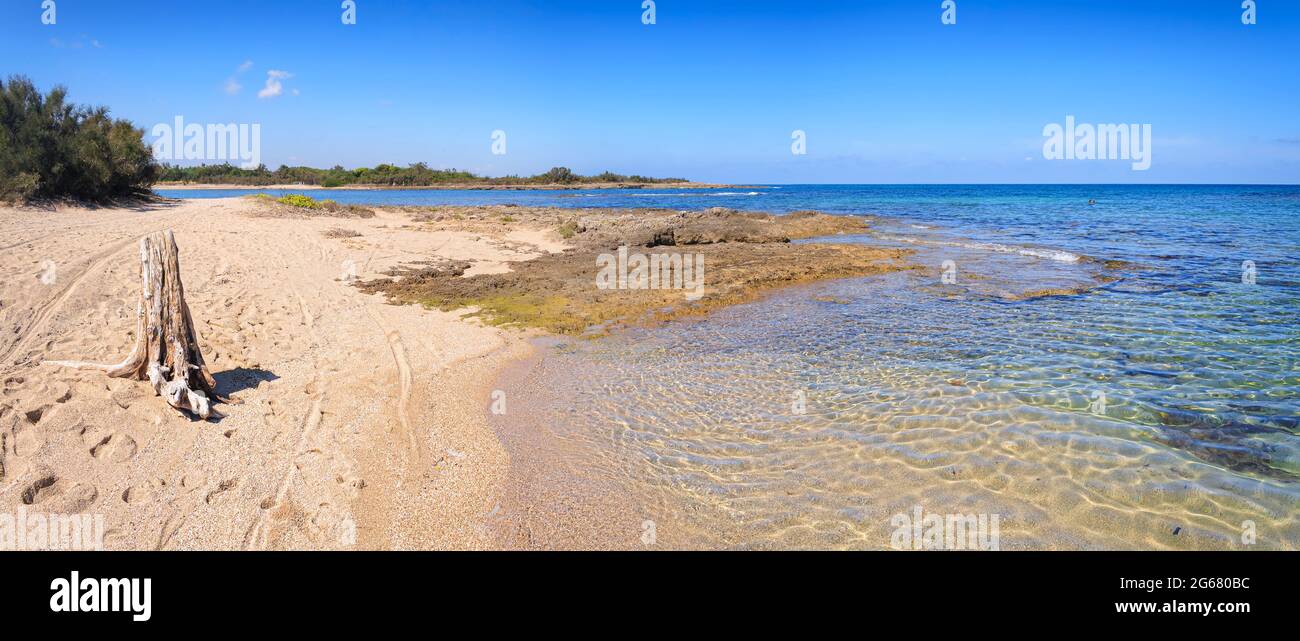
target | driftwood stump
x=166, y=351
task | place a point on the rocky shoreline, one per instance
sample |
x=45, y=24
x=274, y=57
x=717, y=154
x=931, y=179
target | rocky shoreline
x=728, y=257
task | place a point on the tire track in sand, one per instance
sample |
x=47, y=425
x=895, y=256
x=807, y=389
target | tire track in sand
x=398, y=351
x=43, y=226
x=257, y=537
x=258, y=534
x=42, y=315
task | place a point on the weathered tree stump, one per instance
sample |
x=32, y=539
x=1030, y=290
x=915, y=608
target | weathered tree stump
x=166, y=351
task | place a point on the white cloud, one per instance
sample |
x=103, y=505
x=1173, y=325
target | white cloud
x=80, y=42
x=274, y=87
x=232, y=85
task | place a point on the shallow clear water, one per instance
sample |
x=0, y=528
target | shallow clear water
x=1160, y=409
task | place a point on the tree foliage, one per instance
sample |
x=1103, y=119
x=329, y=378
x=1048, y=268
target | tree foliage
x=50, y=148
x=415, y=175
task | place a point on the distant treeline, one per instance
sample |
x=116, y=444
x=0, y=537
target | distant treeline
x=416, y=175
x=51, y=149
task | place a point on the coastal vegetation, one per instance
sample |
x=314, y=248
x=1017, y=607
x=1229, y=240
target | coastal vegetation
x=299, y=206
x=53, y=149
x=414, y=175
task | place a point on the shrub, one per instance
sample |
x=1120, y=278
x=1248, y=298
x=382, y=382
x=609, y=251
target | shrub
x=558, y=175
x=50, y=148
x=299, y=200
x=568, y=229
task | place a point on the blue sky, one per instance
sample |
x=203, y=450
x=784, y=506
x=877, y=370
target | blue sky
x=712, y=91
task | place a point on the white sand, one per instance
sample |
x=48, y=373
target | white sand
x=357, y=416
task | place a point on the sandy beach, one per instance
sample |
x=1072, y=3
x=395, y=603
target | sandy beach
x=358, y=424
x=345, y=423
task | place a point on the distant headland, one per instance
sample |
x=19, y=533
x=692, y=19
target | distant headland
x=386, y=176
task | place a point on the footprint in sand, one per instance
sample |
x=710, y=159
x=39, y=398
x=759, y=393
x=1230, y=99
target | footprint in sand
x=27, y=442
x=193, y=481
x=77, y=499
x=114, y=448
x=34, y=416
x=138, y=493
x=221, y=488
x=44, y=489
x=55, y=417
x=12, y=384
x=124, y=397
x=62, y=392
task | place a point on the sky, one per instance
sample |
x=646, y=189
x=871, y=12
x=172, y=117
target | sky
x=714, y=90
